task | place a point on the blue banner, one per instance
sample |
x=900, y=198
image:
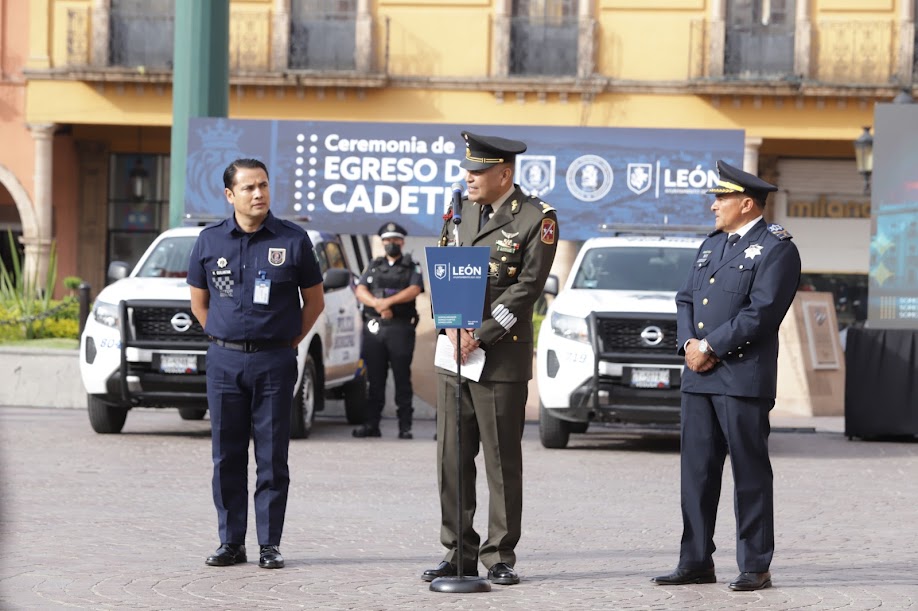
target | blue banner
x=351, y=177
x=458, y=277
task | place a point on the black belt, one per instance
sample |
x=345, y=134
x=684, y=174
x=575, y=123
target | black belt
x=252, y=345
x=393, y=321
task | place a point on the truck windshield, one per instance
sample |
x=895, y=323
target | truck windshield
x=169, y=259
x=624, y=268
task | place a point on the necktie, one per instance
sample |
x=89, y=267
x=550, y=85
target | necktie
x=732, y=239
x=486, y=212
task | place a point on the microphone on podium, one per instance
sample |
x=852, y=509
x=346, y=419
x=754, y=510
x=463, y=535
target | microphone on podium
x=457, y=203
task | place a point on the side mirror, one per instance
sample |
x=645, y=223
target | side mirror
x=336, y=278
x=118, y=270
x=551, y=286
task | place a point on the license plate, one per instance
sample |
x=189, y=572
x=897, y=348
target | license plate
x=178, y=363
x=650, y=378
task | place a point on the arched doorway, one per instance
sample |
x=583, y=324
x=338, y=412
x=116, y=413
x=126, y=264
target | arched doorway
x=15, y=214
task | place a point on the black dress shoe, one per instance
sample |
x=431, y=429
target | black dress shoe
x=503, y=574
x=681, y=577
x=405, y=435
x=749, y=582
x=270, y=557
x=366, y=431
x=227, y=554
x=445, y=569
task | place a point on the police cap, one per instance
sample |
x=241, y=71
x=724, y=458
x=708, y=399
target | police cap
x=392, y=230
x=734, y=180
x=483, y=152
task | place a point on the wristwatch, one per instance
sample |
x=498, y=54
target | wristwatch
x=475, y=336
x=703, y=347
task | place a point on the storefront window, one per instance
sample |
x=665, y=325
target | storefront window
x=137, y=204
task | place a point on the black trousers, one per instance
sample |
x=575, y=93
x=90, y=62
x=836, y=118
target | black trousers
x=712, y=427
x=392, y=346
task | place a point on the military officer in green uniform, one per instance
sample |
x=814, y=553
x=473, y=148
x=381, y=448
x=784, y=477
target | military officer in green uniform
x=522, y=233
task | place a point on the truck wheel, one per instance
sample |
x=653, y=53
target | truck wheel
x=105, y=418
x=553, y=432
x=355, y=400
x=192, y=413
x=303, y=413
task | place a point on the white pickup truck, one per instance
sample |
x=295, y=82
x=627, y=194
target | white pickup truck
x=143, y=348
x=607, y=347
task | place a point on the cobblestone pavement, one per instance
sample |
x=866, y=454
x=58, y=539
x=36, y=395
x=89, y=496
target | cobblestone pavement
x=125, y=522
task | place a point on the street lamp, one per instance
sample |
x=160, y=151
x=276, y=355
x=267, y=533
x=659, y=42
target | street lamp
x=863, y=156
x=138, y=180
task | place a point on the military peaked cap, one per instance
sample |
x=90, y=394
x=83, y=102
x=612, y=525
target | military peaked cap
x=482, y=152
x=392, y=230
x=734, y=180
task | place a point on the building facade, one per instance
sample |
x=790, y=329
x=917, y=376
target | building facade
x=91, y=80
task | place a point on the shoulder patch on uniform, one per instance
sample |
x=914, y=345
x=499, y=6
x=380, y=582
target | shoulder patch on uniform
x=548, y=231
x=779, y=232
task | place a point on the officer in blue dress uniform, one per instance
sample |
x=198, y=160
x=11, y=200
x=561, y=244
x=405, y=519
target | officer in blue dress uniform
x=248, y=274
x=521, y=233
x=388, y=289
x=729, y=310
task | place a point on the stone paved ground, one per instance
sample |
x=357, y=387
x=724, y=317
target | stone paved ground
x=125, y=522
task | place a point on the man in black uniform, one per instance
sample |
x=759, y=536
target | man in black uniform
x=729, y=311
x=248, y=275
x=387, y=290
x=522, y=234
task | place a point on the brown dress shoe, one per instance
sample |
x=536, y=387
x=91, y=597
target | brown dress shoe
x=749, y=582
x=227, y=554
x=681, y=577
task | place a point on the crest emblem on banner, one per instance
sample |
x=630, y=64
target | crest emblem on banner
x=640, y=177
x=536, y=173
x=440, y=271
x=589, y=178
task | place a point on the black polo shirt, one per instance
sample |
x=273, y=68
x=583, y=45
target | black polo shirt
x=228, y=262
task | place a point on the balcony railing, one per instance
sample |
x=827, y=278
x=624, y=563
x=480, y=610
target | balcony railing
x=543, y=47
x=860, y=53
x=325, y=41
x=141, y=39
x=759, y=52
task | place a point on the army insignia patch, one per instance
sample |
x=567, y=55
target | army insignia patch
x=277, y=256
x=753, y=251
x=221, y=262
x=508, y=235
x=511, y=270
x=507, y=245
x=546, y=208
x=779, y=232
x=493, y=269
x=548, y=231
x=513, y=207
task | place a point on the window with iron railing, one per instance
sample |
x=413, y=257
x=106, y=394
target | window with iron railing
x=543, y=38
x=759, y=42
x=141, y=33
x=321, y=39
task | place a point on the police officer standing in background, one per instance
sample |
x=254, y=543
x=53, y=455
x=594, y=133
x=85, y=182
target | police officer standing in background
x=247, y=275
x=729, y=311
x=388, y=289
x=522, y=234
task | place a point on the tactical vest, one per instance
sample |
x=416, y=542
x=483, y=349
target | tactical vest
x=389, y=280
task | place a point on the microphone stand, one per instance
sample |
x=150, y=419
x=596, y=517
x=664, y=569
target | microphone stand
x=460, y=584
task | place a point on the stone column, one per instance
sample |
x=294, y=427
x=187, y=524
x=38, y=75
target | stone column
x=905, y=64
x=751, y=155
x=280, y=36
x=101, y=33
x=803, y=35
x=500, y=52
x=585, y=39
x=37, y=237
x=717, y=36
x=363, y=44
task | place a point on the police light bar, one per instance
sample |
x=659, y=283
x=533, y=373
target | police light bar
x=665, y=229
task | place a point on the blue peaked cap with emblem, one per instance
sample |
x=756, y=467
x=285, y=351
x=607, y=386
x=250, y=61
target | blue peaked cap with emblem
x=734, y=180
x=482, y=152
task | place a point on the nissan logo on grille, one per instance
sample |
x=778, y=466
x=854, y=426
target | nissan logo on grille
x=651, y=336
x=181, y=322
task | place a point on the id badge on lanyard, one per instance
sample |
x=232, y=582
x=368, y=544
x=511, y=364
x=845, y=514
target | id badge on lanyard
x=262, y=294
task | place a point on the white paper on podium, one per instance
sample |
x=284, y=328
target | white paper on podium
x=445, y=357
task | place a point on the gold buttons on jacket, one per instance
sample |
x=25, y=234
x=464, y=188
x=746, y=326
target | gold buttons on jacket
x=711, y=281
x=503, y=258
x=704, y=301
x=515, y=338
x=701, y=325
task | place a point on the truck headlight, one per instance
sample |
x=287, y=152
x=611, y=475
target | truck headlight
x=570, y=327
x=106, y=314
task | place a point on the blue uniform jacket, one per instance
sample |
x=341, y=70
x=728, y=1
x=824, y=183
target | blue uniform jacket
x=737, y=303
